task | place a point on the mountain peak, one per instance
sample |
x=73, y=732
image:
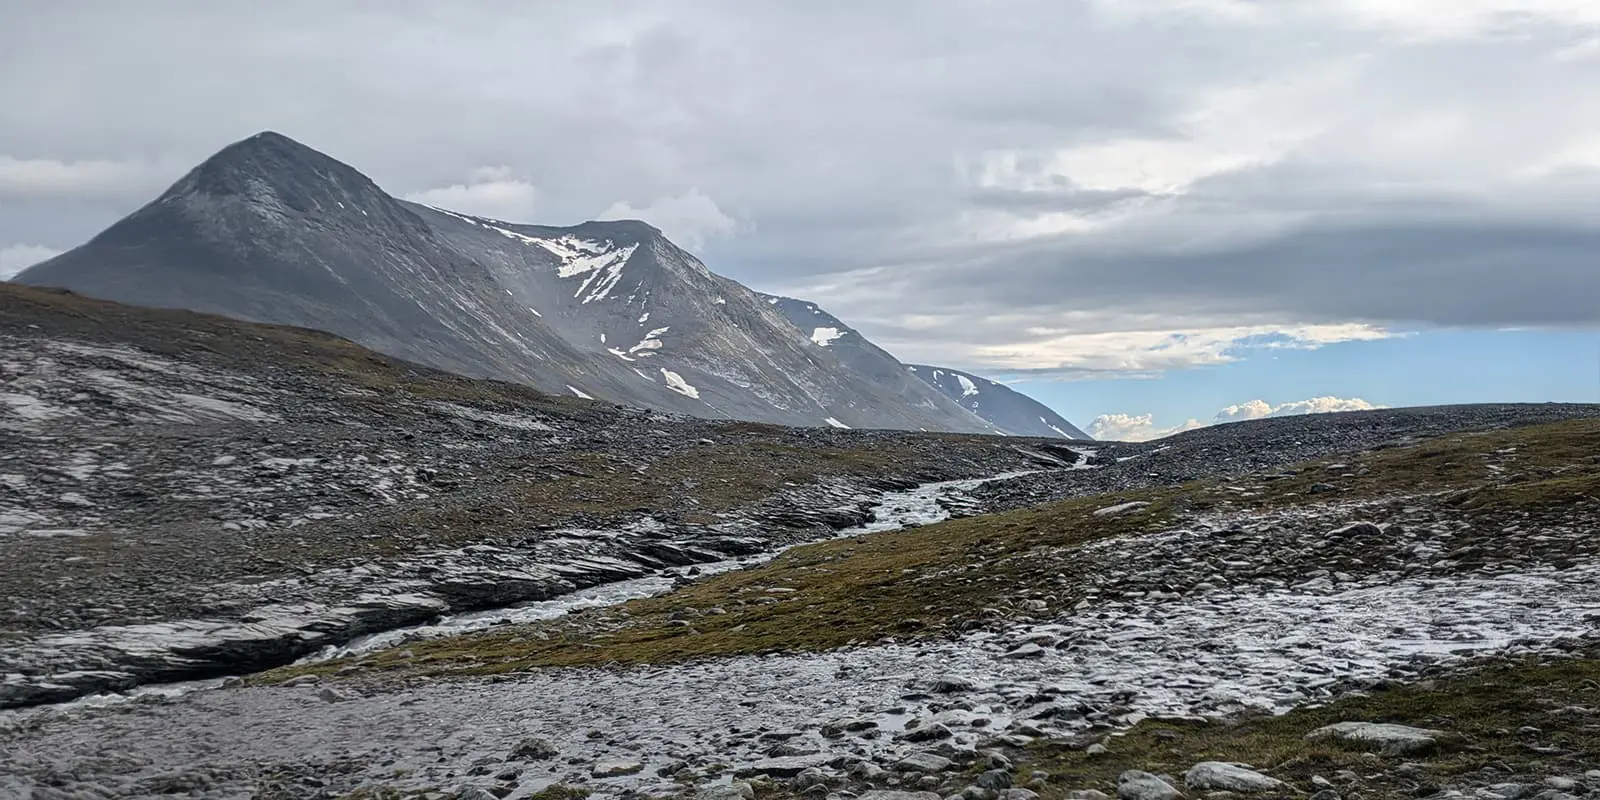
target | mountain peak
x=272, y=166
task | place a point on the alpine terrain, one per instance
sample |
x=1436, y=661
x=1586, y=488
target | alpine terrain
x=250, y=560
x=1006, y=410
x=1001, y=405
x=270, y=230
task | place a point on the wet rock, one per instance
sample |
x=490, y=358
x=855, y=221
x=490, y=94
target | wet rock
x=1385, y=738
x=1221, y=776
x=886, y=794
x=1137, y=785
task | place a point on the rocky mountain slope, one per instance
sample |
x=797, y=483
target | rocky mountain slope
x=863, y=357
x=1001, y=405
x=1003, y=409
x=270, y=230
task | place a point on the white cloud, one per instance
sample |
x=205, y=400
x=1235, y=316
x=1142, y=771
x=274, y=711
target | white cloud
x=689, y=219
x=1128, y=428
x=18, y=257
x=1142, y=428
x=489, y=192
x=43, y=178
x=1259, y=409
x=1156, y=350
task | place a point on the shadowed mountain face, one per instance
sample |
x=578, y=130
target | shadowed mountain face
x=1005, y=410
x=998, y=404
x=270, y=230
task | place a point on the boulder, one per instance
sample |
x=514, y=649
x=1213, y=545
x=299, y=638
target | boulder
x=1137, y=785
x=1386, y=738
x=923, y=762
x=1222, y=776
x=612, y=769
x=738, y=790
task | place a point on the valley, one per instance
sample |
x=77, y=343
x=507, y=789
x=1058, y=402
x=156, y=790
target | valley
x=250, y=560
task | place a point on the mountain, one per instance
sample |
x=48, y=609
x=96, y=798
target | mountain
x=270, y=230
x=855, y=351
x=1005, y=410
x=1001, y=405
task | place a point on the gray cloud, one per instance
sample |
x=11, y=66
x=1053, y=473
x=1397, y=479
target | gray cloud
x=1047, y=186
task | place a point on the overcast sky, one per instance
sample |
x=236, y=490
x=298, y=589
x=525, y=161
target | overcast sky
x=1053, y=189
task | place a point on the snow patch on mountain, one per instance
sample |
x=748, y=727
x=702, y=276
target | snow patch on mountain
x=676, y=383
x=836, y=423
x=968, y=388
x=651, y=341
x=823, y=337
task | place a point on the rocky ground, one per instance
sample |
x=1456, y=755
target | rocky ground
x=183, y=495
x=492, y=593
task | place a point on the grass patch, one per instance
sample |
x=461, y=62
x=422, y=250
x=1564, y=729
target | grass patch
x=1486, y=712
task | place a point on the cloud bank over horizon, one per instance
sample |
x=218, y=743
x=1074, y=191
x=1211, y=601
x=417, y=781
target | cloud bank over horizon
x=1142, y=427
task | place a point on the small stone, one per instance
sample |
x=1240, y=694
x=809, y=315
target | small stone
x=995, y=780
x=1120, y=509
x=886, y=794
x=475, y=793
x=302, y=680
x=534, y=749
x=1020, y=794
x=923, y=762
x=1028, y=650
x=1354, y=530
x=1326, y=794
x=952, y=684
x=1137, y=785
x=1086, y=794
x=332, y=695
x=1096, y=749
x=738, y=790
x=927, y=733
x=612, y=769
x=1219, y=775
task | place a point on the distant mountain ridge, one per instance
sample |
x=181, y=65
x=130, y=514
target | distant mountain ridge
x=1004, y=409
x=1001, y=405
x=270, y=230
